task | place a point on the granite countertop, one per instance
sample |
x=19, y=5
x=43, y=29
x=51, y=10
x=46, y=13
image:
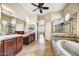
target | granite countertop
x=13, y=36
x=27, y=34
x=58, y=34
x=9, y=37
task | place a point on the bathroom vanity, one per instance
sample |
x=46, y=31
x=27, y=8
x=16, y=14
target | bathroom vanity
x=27, y=39
x=10, y=45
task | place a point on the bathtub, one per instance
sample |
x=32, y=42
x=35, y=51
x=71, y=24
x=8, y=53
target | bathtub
x=67, y=48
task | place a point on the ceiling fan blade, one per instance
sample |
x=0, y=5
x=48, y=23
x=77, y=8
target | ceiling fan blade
x=41, y=4
x=34, y=5
x=35, y=9
x=40, y=10
x=45, y=7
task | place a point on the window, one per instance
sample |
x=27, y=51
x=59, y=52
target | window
x=67, y=16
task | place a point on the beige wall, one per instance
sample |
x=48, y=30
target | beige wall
x=6, y=18
x=72, y=8
x=48, y=26
x=46, y=17
x=41, y=17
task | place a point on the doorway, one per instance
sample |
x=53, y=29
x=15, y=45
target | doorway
x=41, y=31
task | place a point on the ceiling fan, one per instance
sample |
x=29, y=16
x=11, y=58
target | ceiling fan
x=40, y=7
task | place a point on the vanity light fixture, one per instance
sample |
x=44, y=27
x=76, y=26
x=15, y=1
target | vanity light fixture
x=6, y=10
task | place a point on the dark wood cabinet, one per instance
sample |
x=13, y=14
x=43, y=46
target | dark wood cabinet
x=19, y=32
x=11, y=47
x=8, y=47
x=33, y=36
x=28, y=39
x=1, y=48
x=19, y=44
x=14, y=46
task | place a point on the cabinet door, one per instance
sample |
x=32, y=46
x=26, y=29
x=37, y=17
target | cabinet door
x=14, y=45
x=30, y=38
x=26, y=40
x=19, y=43
x=1, y=48
x=8, y=47
x=34, y=36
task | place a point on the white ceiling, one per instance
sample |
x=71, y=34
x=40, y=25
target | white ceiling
x=53, y=7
